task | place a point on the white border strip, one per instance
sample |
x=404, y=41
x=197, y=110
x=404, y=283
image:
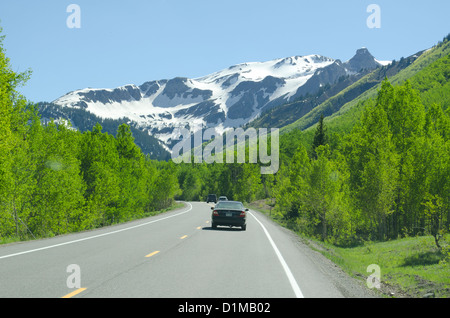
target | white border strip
x=97, y=236
x=292, y=281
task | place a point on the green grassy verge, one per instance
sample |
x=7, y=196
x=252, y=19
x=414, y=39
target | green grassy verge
x=409, y=267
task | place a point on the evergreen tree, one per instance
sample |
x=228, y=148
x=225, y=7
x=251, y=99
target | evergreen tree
x=125, y=143
x=320, y=138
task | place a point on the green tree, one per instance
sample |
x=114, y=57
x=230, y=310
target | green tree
x=299, y=171
x=406, y=117
x=58, y=198
x=320, y=137
x=132, y=176
x=191, y=184
x=23, y=169
x=282, y=192
x=372, y=164
x=434, y=213
x=125, y=143
x=99, y=160
x=166, y=186
x=249, y=187
x=13, y=147
x=322, y=196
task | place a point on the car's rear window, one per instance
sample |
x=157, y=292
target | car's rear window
x=229, y=205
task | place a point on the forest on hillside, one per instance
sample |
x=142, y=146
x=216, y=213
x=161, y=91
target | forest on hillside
x=388, y=177
x=56, y=180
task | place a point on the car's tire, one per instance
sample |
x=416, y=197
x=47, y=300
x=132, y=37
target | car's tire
x=214, y=226
x=244, y=227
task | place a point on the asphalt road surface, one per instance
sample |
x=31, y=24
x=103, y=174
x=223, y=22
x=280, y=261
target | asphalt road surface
x=174, y=255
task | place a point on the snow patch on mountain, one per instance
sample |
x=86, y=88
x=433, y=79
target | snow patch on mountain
x=228, y=98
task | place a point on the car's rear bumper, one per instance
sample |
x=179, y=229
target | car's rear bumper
x=223, y=220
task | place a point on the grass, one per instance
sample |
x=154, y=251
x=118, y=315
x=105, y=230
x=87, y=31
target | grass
x=410, y=267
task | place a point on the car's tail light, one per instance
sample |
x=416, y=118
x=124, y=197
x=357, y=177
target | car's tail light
x=242, y=215
x=215, y=213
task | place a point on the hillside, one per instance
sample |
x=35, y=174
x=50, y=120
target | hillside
x=342, y=119
x=85, y=121
x=306, y=110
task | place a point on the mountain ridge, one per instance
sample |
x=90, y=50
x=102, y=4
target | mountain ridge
x=228, y=98
x=305, y=112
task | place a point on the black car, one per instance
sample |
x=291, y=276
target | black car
x=229, y=213
x=211, y=198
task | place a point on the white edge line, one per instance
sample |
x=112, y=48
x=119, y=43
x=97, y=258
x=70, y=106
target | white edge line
x=291, y=278
x=96, y=236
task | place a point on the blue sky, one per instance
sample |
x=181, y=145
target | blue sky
x=134, y=41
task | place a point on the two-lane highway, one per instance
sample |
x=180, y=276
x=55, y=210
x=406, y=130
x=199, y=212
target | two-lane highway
x=175, y=254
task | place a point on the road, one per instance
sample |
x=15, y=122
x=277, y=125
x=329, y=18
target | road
x=173, y=255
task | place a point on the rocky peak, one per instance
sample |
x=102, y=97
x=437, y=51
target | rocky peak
x=362, y=60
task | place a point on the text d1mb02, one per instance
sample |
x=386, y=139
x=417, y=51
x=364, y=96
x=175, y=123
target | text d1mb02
x=245, y=307
x=231, y=307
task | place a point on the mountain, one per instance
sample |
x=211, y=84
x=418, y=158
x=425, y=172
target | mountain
x=84, y=121
x=228, y=98
x=343, y=109
x=306, y=111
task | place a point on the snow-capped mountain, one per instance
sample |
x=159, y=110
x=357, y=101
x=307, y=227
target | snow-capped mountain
x=228, y=98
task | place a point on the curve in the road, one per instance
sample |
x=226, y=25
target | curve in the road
x=96, y=236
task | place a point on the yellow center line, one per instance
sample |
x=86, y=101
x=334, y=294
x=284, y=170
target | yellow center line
x=75, y=292
x=151, y=254
x=183, y=237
